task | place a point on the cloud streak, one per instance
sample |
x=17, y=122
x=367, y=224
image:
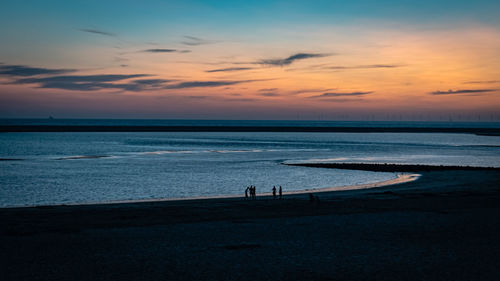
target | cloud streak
x=459, y=92
x=79, y=78
x=159, y=50
x=343, y=100
x=327, y=67
x=195, y=41
x=95, y=82
x=269, y=94
x=230, y=69
x=206, y=84
x=333, y=95
x=482, y=82
x=370, y=66
x=289, y=60
x=152, y=82
x=21, y=70
x=99, y=32
x=268, y=89
x=306, y=91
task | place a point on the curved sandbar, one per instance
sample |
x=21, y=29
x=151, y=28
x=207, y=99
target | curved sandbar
x=399, y=168
x=401, y=178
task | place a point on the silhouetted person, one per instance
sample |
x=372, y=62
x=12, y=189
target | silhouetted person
x=311, y=197
x=281, y=193
x=246, y=193
x=274, y=192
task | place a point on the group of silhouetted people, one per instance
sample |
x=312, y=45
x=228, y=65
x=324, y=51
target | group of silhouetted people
x=251, y=194
x=250, y=191
x=280, y=192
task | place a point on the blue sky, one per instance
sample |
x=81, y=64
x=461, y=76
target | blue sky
x=400, y=52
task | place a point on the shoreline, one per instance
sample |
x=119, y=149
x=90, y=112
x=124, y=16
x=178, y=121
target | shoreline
x=405, y=173
x=400, y=178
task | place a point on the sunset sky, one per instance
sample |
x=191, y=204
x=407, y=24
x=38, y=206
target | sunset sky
x=320, y=60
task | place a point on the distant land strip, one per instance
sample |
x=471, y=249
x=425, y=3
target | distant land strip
x=89, y=128
x=375, y=167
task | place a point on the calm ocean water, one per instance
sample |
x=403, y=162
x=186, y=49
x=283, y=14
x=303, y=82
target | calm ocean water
x=243, y=123
x=59, y=168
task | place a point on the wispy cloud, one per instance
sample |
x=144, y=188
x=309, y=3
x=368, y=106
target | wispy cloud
x=96, y=31
x=268, y=89
x=269, y=94
x=95, y=82
x=21, y=70
x=482, y=82
x=332, y=95
x=328, y=67
x=204, y=84
x=195, y=41
x=229, y=69
x=306, y=91
x=458, y=92
x=197, y=97
x=289, y=60
x=80, y=78
x=92, y=86
x=158, y=50
x=370, y=66
x=152, y=82
x=342, y=100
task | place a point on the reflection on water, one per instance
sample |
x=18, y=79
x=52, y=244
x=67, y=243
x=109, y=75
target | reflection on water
x=128, y=166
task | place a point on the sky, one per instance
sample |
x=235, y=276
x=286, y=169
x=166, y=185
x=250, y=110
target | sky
x=258, y=60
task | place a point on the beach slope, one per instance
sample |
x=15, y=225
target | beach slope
x=443, y=226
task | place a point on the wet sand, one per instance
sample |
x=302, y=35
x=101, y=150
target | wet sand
x=443, y=226
x=400, y=178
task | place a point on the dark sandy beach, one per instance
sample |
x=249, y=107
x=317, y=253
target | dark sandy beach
x=444, y=226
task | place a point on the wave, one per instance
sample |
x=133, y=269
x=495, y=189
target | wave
x=83, y=157
x=160, y=152
x=11, y=159
x=363, y=159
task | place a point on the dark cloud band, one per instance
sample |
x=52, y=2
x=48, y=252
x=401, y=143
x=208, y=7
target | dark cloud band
x=458, y=92
x=289, y=60
x=158, y=50
x=21, y=70
x=332, y=95
x=94, y=82
x=370, y=66
x=96, y=31
x=230, y=69
x=79, y=78
x=483, y=82
x=205, y=84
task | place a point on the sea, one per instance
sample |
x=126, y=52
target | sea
x=53, y=168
